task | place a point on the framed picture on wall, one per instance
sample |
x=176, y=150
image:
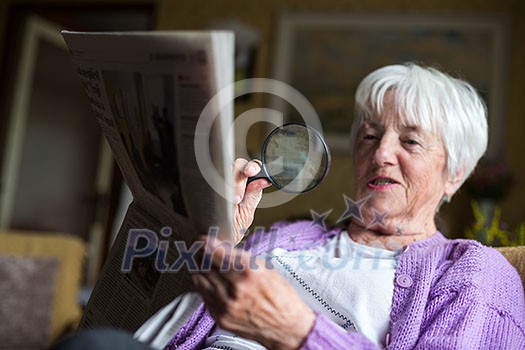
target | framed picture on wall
x=325, y=56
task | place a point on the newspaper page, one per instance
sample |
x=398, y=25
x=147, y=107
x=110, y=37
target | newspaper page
x=129, y=292
x=156, y=98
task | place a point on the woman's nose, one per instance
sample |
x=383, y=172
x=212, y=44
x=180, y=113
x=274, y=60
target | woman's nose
x=385, y=153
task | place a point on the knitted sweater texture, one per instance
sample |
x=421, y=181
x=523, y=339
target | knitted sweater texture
x=448, y=294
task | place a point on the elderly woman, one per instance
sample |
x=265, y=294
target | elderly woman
x=390, y=279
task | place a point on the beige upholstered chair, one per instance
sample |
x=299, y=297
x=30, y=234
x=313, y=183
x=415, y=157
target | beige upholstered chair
x=516, y=256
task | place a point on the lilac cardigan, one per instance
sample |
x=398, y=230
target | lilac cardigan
x=448, y=294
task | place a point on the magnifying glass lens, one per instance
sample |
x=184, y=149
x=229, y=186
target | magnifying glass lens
x=295, y=158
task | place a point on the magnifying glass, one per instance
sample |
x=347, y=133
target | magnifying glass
x=295, y=158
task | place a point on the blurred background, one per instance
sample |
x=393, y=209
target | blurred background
x=62, y=194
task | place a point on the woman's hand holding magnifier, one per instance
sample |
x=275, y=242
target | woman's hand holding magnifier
x=246, y=196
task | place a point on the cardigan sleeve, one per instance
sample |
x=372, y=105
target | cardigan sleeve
x=327, y=335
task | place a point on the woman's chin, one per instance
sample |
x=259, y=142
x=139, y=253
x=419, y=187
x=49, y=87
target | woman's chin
x=375, y=206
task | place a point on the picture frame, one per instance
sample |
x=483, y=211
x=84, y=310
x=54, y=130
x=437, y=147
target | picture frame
x=325, y=56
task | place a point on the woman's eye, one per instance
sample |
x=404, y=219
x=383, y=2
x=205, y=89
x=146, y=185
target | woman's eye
x=369, y=137
x=411, y=142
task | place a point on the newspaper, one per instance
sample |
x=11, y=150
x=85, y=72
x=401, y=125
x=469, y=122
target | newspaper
x=148, y=91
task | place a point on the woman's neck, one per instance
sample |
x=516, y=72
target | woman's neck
x=393, y=239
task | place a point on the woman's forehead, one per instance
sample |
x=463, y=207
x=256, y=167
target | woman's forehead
x=380, y=121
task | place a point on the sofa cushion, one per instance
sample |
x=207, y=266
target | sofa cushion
x=27, y=292
x=69, y=251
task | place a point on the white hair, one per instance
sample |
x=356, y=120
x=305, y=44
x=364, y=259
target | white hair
x=434, y=101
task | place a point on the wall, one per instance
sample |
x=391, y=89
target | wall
x=197, y=14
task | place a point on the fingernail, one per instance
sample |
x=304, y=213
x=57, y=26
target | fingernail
x=251, y=168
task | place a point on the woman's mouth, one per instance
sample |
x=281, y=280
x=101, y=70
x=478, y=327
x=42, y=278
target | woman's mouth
x=381, y=183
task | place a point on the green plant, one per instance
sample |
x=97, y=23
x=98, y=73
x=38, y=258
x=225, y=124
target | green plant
x=492, y=232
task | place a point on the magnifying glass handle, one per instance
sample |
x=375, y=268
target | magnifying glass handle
x=259, y=175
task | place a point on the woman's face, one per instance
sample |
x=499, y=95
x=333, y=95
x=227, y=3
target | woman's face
x=402, y=171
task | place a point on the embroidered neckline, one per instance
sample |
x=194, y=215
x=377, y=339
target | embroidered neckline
x=347, y=322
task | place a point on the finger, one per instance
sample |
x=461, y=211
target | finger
x=252, y=168
x=230, y=262
x=207, y=290
x=239, y=179
x=205, y=283
x=216, y=251
x=258, y=184
x=200, y=283
x=242, y=170
x=253, y=192
x=222, y=255
x=238, y=166
x=223, y=287
x=200, y=252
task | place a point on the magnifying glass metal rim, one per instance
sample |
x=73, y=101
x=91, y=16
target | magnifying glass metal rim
x=323, y=142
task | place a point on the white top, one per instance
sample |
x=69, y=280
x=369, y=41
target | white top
x=350, y=283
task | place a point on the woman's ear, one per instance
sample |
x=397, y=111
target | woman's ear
x=453, y=183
